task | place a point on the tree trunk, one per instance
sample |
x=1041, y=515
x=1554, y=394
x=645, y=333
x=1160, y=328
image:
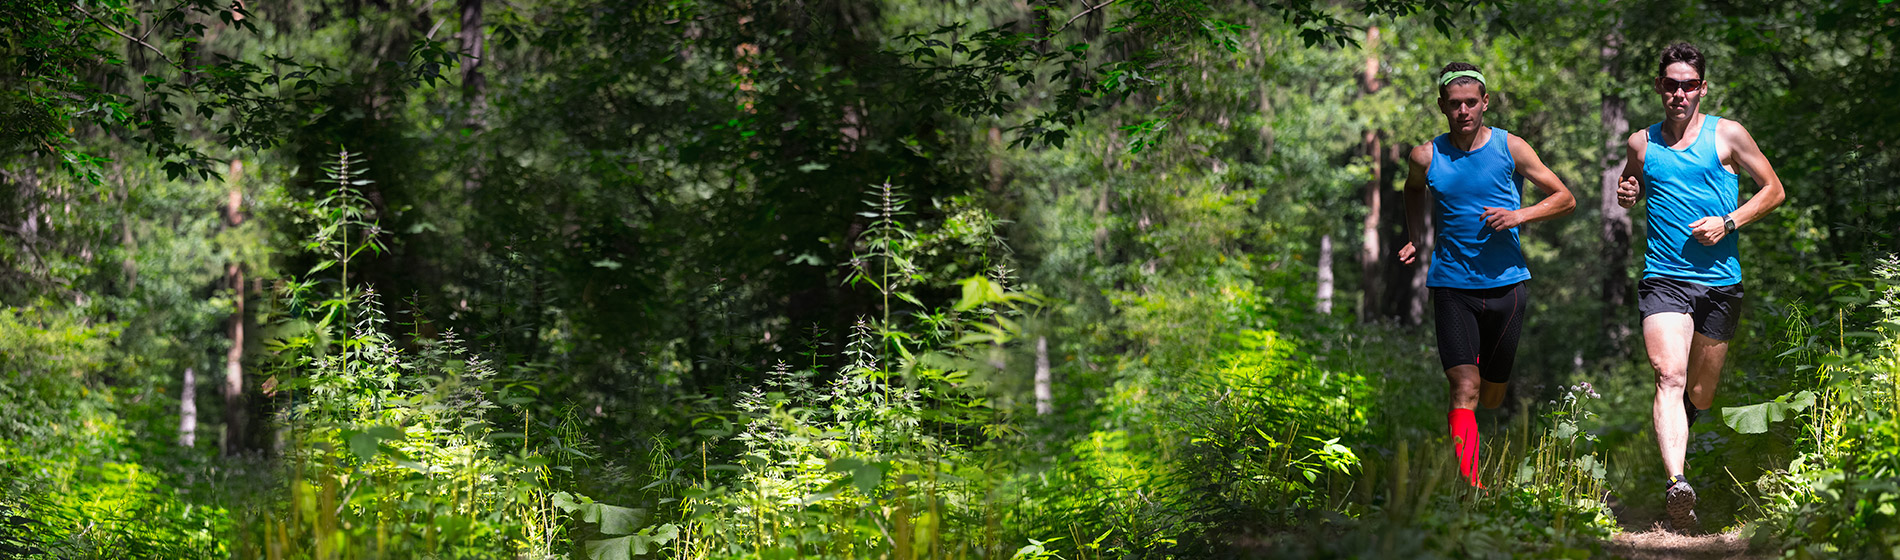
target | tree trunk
x=1045, y=394
x=1411, y=280
x=188, y=410
x=236, y=409
x=1102, y=200
x=1369, y=271
x=1325, y=292
x=1616, y=219
x=996, y=160
x=128, y=264
x=474, y=84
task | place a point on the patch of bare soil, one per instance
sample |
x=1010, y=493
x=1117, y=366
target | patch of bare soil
x=1646, y=537
x=1658, y=544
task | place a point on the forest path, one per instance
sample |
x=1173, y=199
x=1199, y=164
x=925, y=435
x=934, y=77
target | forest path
x=1644, y=538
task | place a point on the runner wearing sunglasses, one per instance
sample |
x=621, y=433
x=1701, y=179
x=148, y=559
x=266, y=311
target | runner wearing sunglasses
x=1473, y=176
x=1691, y=292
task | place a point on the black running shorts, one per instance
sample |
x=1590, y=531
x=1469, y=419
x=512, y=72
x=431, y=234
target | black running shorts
x=1716, y=310
x=1480, y=327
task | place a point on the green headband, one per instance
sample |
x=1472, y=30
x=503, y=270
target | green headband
x=1473, y=74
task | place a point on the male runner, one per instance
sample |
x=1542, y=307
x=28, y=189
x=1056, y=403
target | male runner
x=1691, y=292
x=1473, y=175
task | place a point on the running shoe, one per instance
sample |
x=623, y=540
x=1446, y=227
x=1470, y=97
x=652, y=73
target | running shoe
x=1679, y=500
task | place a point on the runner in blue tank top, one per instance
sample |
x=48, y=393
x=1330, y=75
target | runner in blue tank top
x=1691, y=291
x=1470, y=180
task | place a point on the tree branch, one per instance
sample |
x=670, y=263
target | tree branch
x=1065, y=25
x=115, y=31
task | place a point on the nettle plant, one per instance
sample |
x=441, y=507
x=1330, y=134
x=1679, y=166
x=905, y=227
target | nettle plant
x=390, y=451
x=1838, y=496
x=878, y=457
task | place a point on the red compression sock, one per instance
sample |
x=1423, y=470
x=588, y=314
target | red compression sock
x=1464, y=436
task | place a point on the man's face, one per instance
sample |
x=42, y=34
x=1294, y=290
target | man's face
x=1463, y=107
x=1682, y=89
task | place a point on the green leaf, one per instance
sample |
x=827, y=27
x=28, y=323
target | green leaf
x=975, y=288
x=1755, y=418
x=364, y=446
x=1565, y=430
x=565, y=501
x=368, y=443
x=867, y=477
x=616, y=520
x=618, y=548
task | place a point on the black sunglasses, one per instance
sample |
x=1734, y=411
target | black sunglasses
x=1670, y=85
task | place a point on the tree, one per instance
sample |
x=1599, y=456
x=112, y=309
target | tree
x=237, y=413
x=1371, y=251
x=1616, y=220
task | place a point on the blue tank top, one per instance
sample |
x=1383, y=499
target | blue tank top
x=1467, y=253
x=1683, y=186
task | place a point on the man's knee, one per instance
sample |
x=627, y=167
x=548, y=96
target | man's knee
x=1668, y=382
x=1669, y=369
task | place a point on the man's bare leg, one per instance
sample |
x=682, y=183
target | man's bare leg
x=1705, y=369
x=1667, y=337
x=1464, y=386
x=1464, y=381
x=1491, y=395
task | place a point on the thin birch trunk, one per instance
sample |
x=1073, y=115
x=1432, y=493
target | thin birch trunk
x=1045, y=394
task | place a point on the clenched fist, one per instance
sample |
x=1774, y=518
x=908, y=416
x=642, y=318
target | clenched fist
x=1627, y=190
x=1408, y=254
x=1501, y=219
x=1708, y=231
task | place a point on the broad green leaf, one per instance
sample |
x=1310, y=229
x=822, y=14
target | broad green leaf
x=1755, y=418
x=616, y=520
x=565, y=501
x=1565, y=430
x=618, y=548
x=867, y=477
x=367, y=443
x=974, y=288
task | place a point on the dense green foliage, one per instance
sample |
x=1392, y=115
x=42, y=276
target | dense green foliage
x=895, y=279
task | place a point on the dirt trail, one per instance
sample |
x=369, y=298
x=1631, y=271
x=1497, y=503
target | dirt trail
x=1658, y=544
x=1645, y=538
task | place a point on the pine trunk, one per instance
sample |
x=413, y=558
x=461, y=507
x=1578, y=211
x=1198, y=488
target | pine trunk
x=1616, y=219
x=474, y=83
x=1370, y=277
x=236, y=409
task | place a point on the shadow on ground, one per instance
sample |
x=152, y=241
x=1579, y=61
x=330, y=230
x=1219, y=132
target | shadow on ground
x=1645, y=536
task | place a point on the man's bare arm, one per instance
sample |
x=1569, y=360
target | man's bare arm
x=1417, y=201
x=1557, y=200
x=1748, y=157
x=1630, y=188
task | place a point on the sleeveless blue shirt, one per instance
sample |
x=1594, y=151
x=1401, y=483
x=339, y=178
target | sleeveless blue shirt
x=1469, y=254
x=1683, y=186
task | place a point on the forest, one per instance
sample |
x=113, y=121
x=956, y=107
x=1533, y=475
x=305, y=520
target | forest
x=1009, y=279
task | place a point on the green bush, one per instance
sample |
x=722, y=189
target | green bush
x=1838, y=497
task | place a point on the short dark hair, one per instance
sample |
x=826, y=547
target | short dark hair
x=1458, y=81
x=1684, y=53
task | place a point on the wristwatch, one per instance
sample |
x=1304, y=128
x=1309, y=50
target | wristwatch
x=1728, y=224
